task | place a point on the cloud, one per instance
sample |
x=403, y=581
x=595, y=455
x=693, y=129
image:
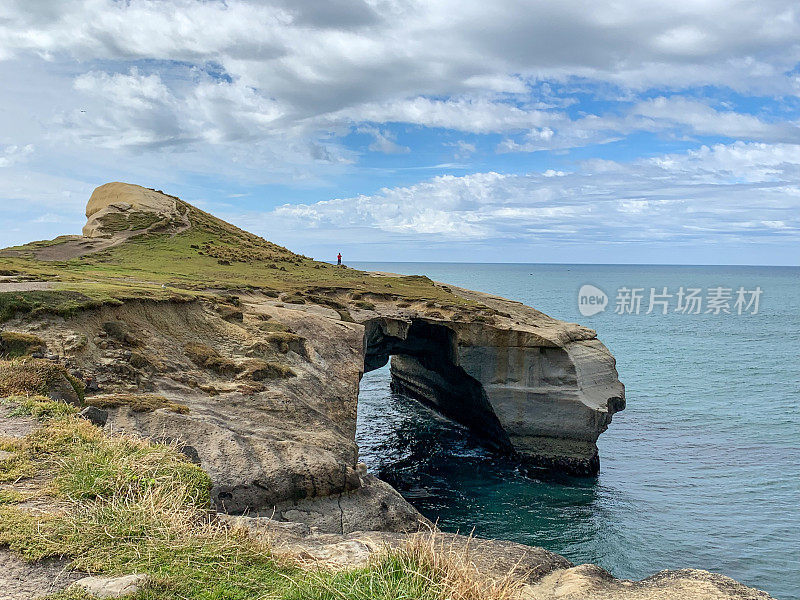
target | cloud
x=190, y=73
x=137, y=109
x=258, y=93
x=12, y=154
x=699, y=118
x=463, y=149
x=384, y=141
x=724, y=190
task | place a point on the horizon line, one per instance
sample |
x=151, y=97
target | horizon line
x=458, y=262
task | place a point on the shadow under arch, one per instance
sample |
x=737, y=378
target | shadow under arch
x=424, y=366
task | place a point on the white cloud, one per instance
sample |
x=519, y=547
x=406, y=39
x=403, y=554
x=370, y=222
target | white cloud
x=703, y=119
x=135, y=109
x=12, y=154
x=672, y=197
x=266, y=91
x=441, y=64
x=476, y=115
x=384, y=141
x=463, y=149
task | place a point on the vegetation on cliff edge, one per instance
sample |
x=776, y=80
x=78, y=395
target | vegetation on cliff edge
x=124, y=505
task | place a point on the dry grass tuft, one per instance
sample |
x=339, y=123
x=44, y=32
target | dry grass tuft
x=137, y=402
x=262, y=370
x=208, y=358
x=452, y=567
x=425, y=567
x=14, y=344
x=29, y=376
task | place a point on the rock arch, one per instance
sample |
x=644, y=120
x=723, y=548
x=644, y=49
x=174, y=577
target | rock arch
x=523, y=394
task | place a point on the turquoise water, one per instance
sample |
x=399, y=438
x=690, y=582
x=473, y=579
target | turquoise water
x=701, y=470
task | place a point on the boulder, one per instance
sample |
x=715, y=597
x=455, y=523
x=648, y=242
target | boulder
x=96, y=416
x=112, y=587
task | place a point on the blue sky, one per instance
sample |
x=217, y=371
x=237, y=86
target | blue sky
x=399, y=130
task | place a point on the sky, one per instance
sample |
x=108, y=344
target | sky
x=502, y=131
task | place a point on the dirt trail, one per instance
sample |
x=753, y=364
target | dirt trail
x=21, y=580
x=25, y=286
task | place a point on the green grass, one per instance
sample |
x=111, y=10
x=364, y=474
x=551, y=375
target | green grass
x=188, y=264
x=132, y=506
x=10, y=497
x=391, y=577
x=39, y=407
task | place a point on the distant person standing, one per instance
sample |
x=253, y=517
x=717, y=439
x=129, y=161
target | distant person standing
x=339, y=259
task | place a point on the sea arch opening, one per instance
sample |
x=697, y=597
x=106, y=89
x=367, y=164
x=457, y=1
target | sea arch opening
x=424, y=366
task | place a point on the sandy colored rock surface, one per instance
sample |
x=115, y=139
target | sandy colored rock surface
x=124, y=203
x=111, y=587
x=589, y=581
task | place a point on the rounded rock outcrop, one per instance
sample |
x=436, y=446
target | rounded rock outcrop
x=117, y=207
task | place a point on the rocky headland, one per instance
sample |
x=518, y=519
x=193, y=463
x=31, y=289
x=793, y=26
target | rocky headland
x=165, y=323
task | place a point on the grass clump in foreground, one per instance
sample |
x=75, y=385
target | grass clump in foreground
x=133, y=506
x=15, y=345
x=36, y=377
x=39, y=407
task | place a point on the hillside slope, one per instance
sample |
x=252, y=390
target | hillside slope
x=145, y=244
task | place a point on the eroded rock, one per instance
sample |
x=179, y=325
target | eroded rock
x=528, y=384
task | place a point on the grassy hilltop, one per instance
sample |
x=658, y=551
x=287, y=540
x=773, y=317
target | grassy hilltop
x=185, y=255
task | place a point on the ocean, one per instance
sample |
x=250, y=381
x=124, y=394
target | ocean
x=702, y=469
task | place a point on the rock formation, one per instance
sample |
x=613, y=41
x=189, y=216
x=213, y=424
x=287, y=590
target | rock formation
x=249, y=357
x=117, y=207
x=527, y=384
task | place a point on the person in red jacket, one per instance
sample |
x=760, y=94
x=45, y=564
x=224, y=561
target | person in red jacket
x=339, y=259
